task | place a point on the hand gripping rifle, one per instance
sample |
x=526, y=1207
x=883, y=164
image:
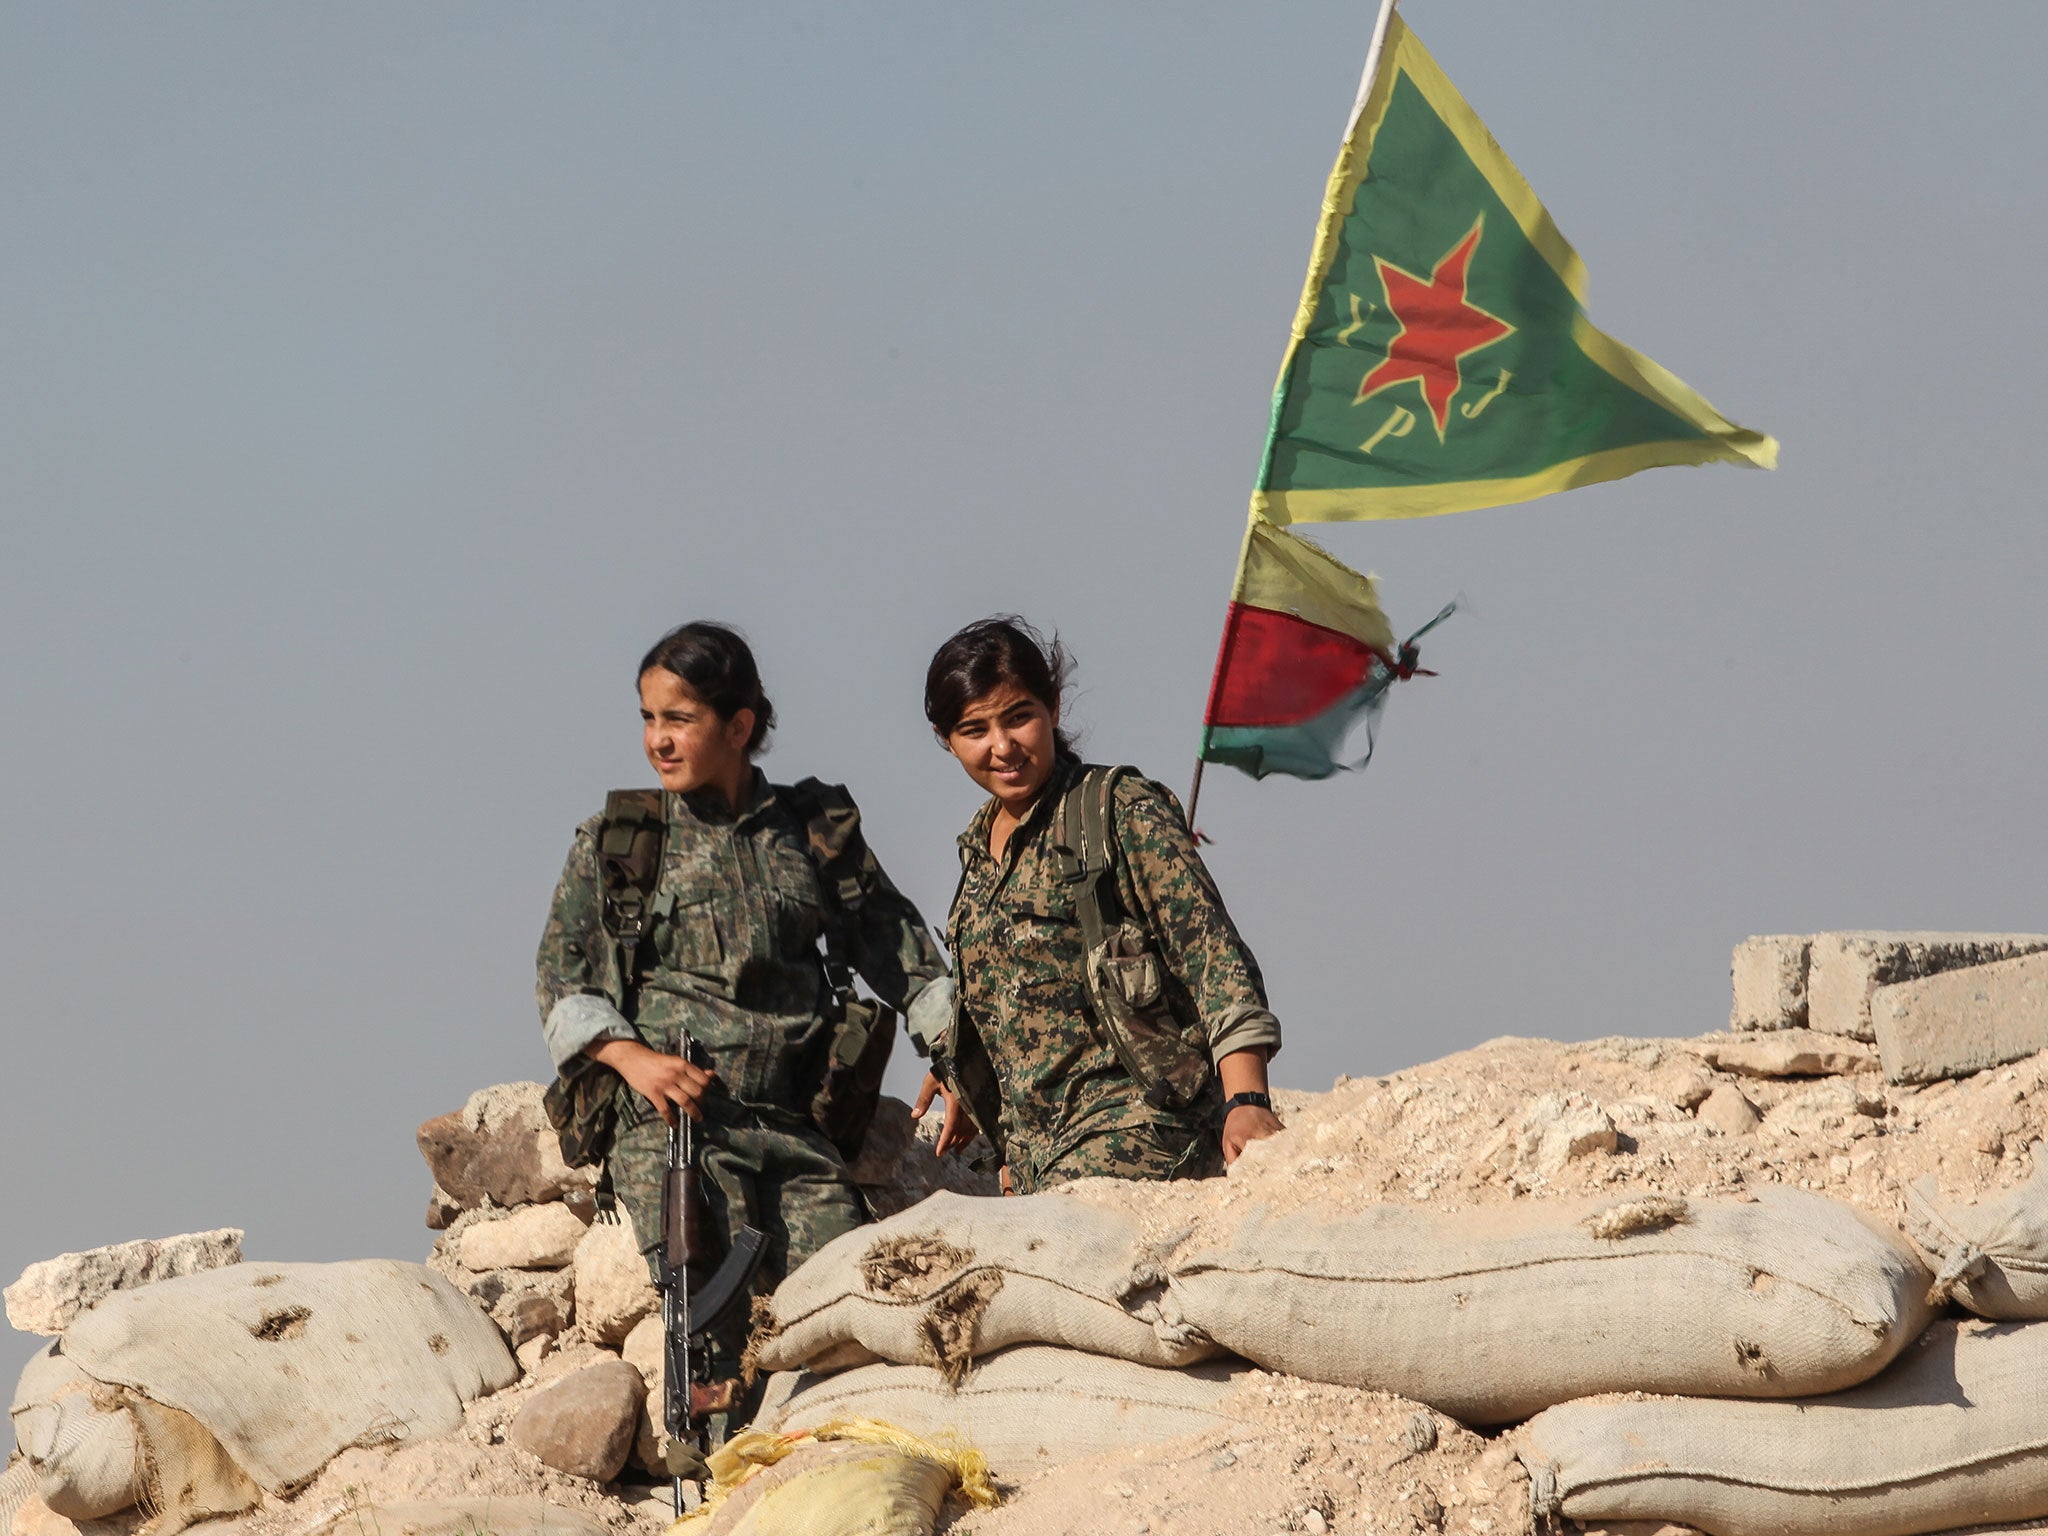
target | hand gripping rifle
x=690, y=1308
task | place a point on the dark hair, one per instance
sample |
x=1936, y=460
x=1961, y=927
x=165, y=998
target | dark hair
x=715, y=664
x=987, y=654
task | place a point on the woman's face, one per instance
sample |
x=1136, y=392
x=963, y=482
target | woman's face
x=686, y=741
x=1005, y=742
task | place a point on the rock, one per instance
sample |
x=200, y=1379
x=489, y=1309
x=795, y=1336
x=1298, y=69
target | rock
x=532, y=1352
x=52, y=1292
x=536, y=1316
x=442, y=1208
x=500, y=1146
x=1560, y=1127
x=1768, y=977
x=614, y=1288
x=1830, y=1111
x=510, y=1294
x=1728, y=1112
x=1846, y=968
x=532, y=1237
x=643, y=1351
x=1962, y=1021
x=584, y=1424
x=897, y=1167
x=1786, y=1053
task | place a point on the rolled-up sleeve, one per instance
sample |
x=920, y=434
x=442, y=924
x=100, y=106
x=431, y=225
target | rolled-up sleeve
x=1163, y=877
x=576, y=980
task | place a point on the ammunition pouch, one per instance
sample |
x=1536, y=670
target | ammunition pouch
x=583, y=1107
x=857, y=1048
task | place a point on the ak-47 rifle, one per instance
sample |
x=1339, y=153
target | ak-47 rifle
x=690, y=1306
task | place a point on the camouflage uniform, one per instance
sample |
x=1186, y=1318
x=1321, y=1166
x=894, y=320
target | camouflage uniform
x=1025, y=1051
x=731, y=957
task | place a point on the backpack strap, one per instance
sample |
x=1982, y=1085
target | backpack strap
x=1086, y=852
x=630, y=838
x=833, y=836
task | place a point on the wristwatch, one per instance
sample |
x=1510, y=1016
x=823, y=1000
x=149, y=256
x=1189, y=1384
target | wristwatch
x=1242, y=1100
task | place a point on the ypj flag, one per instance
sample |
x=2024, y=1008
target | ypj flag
x=1306, y=655
x=1440, y=358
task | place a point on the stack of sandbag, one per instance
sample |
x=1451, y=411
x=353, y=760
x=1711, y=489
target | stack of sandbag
x=1493, y=1314
x=1031, y=1405
x=1955, y=1434
x=193, y=1396
x=1488, y=1315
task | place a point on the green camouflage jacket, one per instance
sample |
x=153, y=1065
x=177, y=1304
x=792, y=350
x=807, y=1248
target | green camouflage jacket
x=1027, y=1054
x=732, y=949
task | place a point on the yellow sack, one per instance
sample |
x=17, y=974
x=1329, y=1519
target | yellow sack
x=851, y=1477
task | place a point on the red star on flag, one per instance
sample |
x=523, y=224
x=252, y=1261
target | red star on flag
x=1439, y=327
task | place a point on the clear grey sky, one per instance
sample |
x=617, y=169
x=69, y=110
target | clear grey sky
x=379, y=380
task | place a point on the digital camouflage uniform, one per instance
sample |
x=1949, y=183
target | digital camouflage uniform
x=731, y=956
x=1025, y=1050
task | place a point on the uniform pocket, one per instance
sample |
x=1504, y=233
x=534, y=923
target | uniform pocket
x=686, y=933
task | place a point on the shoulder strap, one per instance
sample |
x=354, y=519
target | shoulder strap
x=1084, y=839
x=833, y=837
x=629, y=843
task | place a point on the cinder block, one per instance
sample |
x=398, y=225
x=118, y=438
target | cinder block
x=1962, y=1021
x=1768, y=978
x=1843, y=969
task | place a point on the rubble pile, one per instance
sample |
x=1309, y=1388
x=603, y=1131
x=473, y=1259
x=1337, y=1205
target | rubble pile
x=1898, y=1076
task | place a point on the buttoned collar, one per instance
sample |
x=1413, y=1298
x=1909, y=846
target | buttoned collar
x=974, y=841
x=708, y=805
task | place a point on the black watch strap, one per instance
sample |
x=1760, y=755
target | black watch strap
x=1244, y=1100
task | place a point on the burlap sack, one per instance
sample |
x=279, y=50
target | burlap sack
x=1955, y=1434
x=287, y=1364
x=1992, y=1256
x=1027, y=1407
x=1490, y=1315
x=92, y=1450
x=956, y=1277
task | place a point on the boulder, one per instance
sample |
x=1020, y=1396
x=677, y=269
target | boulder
x=535, y=1316
x=1786, y=1053
x=897, y=1166
x=1728, y=1111
x=1560, y=1127
x=499, y=1146
x=1846, y=968
x=532, y=1237
x=1768, y=980
x=1962, y=1022
x=644, y=1351
x=51, y=1294
x=614, y=1287
x=584, y=1424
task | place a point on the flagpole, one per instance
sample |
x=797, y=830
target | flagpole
x=1372, y=64
x=1365, y=83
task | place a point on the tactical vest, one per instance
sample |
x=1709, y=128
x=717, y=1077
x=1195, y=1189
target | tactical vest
x=853, y=1051
x=1129, y=991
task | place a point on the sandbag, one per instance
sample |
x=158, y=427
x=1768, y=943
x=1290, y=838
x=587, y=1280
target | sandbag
x=1991, y=1256
x=1024, y=1408
x=1955, y=1434
x=1491, y=1315
x=288, y=1364
x=956, y=1277
x=851, y=1477
x=79, y=1438
x=93, y=1450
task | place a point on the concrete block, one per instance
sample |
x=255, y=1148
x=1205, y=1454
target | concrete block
x=1962, y=1021
x=1768, y=979
x=1845, y=968
x=50, y=1294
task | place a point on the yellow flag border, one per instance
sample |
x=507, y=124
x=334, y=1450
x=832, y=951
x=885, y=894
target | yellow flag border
x=1403, y=51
